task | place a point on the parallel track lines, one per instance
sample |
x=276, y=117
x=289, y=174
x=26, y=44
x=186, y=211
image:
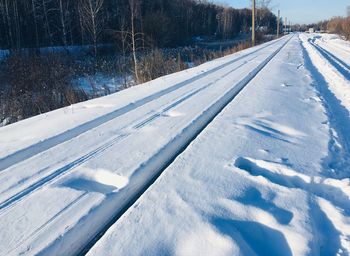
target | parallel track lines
x=42, y=146
x=184, y=139
x=150, y=170
x=9, y=202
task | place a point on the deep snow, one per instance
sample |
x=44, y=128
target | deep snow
x=263, y=179
x=269, y=175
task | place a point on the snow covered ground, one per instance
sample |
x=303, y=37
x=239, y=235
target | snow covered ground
x=252, y=152
x=269, y=176
x=102, y=85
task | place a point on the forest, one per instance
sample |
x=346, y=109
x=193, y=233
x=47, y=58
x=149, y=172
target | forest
x=136, y=40
x=160, y=23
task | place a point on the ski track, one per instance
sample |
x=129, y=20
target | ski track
x=337, y=163
x=122, y=134
x=159, y=162
x=334, y=189
x=42, y=146
x=173, y=149
x=340, y=65
x=327, y=193
x=96, y=152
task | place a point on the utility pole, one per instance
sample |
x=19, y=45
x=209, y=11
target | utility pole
x=253, y=23
x=278, y=24
x=290, y=27
x=285, y=25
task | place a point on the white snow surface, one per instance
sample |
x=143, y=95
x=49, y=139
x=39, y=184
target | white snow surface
x=77, y=116
x=258, y=181
x=269, y=175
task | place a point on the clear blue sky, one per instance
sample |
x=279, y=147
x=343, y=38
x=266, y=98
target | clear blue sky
x=300, y=11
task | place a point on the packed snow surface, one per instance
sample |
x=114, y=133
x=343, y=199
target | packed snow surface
x=252, y=152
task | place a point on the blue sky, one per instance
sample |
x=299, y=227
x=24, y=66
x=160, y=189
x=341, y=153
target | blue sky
x=300, y=11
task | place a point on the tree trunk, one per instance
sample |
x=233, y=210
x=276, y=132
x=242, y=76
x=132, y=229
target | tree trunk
x=63, y=24
x=48, y=27
x=35, y=24
x=133, y=38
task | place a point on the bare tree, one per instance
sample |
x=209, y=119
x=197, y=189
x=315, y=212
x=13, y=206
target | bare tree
x=17, y=24
x=64, y=14
x=8, y=23
x=46, y=12
x=226, y=23
x=263, y=9
x=131, y=38
x=34, y=12
x=134, y=13
x=346, y=27
x=123, y=36
x=91, y=11
x=264, y=4
x=81, y=25
x=3, y=4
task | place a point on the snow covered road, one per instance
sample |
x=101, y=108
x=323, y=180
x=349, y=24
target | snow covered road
x=213, y=170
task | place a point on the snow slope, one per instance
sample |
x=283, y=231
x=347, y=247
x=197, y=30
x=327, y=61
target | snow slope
x=66, y=123
x=245, y=155
x=263, y=178
x=72, y=181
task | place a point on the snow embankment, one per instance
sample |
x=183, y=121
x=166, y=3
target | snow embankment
x=68, y=183
x=253, y=183
x=53, y=128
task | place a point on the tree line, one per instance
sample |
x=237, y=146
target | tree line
x=335, y=25
x=340, y=26
x=140, y=23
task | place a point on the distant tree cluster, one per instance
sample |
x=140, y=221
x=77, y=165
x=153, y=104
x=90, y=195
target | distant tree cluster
x=339, y=25
x=336, y=25
x=152, y=23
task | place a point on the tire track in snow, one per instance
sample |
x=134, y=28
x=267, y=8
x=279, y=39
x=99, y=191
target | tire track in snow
x=335, y=101
x=340, y=65
x=330, y=206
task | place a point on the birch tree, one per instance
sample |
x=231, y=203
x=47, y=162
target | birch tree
x=91, y=13
x=134, y=13
x=63, y=7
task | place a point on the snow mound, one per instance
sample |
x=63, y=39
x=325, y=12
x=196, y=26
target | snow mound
x=100, y=181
